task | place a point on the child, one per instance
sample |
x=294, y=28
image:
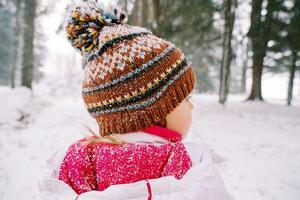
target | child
x=136, y=86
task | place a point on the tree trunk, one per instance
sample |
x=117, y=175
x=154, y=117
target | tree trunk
x=137, y=13
x=245, y=66
x=126, y=6
x=230, y=6
x=291, y=79
x=257, y=60
x=256, y=79
x=156, y=16
x=28, y=48
x=16, y=43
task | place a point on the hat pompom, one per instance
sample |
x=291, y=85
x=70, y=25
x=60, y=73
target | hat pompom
x=86, y=22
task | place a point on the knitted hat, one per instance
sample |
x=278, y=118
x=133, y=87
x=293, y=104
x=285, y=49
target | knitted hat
x=133, y=78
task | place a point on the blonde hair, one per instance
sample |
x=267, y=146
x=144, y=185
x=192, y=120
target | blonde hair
x=96, y=138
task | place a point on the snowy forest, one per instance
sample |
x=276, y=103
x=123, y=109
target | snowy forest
x=246, y=55
x=228, y=42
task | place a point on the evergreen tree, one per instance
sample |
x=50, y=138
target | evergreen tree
x=285, y=42
x=261, y=29
x=229, y=13
x=16, y=44
x=292, y=38
x=6, y=31
x=189, y=24
x=28, y=47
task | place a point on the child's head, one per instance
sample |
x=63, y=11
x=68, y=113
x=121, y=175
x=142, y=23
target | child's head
x=133, y=79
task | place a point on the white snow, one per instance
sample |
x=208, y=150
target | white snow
x=256, y=144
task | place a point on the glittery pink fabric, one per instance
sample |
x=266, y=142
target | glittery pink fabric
x=97, y=166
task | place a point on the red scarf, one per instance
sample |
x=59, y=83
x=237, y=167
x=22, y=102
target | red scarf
x=165, y=133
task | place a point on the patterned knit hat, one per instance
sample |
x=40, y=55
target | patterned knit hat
x=133, y=78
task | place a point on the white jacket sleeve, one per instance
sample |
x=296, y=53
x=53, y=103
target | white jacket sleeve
x=202, y=181
x=50, y=187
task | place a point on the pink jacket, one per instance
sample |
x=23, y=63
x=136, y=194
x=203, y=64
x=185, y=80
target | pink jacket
x=96, y=166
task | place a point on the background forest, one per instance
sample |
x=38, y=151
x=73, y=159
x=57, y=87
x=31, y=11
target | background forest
x=231, y=43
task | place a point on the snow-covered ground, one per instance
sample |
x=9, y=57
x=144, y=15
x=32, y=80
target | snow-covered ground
x=257, y=145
